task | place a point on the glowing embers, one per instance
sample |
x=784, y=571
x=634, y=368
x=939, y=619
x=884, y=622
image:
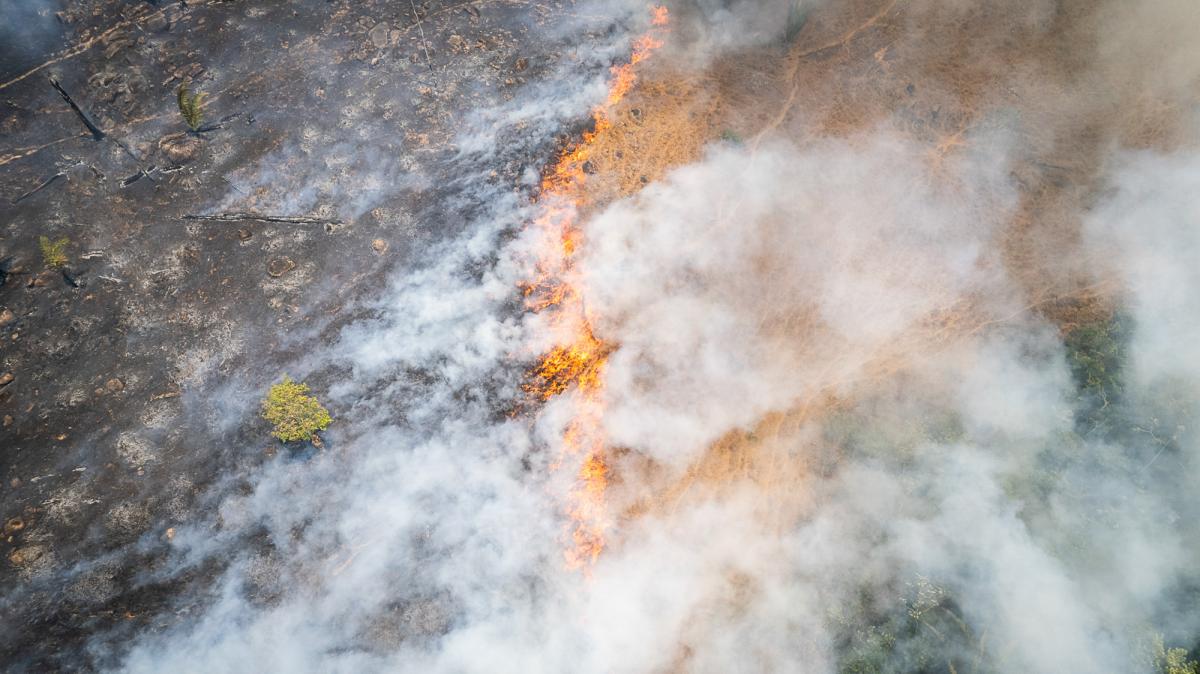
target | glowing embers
x=588, y=511
x=576, y=365
x=581, y=363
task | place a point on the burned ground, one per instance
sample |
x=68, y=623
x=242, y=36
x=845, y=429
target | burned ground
x=372, y=133
x=113, y=425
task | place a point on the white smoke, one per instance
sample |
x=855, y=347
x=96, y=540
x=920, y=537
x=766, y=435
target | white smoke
x=742, y=283
x=934, y=475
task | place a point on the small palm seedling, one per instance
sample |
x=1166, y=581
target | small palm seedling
x=54, y=253
x=191, y=106
x=295, y=414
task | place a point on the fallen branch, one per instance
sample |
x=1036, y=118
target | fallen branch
x=87, y=121
x=142, y=173
x=39, y=188
x=421, y=30
x=241, y=217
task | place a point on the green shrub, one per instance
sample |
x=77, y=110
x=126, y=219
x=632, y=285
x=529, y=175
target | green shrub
x=1172, y=660
x=54, y=252
x=191, y=107
x=295, y=414
x=1097, y=354
x=921, y=630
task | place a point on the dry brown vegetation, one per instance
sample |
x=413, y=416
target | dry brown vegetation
x=939, y=77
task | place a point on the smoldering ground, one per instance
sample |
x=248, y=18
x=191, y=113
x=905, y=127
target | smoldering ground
x=858, y=420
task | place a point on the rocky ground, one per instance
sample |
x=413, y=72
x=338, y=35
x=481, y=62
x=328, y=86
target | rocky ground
x=126, y=375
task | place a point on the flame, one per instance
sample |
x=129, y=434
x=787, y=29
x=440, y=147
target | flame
x=578, y=362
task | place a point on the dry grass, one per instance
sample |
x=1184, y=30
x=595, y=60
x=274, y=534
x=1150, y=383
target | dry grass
x=937, y=78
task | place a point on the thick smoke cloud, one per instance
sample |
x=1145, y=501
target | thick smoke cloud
x=909, y=467
x=745, y=282
x=1145, y=231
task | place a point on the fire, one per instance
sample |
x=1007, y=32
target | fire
x=578, y=361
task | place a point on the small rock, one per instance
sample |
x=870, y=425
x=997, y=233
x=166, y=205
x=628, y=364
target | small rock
x=521, y=64
x=280, y=266
x=589, y=168
x=6, y=317
x=379, y=245
x=379, y=35
x=456, y=42
x=13, y=526
x=8, y=420
x=6, y=379
x=170, y=533
x=15, y=482
x=114, y=385
x=244, y=234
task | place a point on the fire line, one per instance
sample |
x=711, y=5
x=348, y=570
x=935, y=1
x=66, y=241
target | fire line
x=577, y=364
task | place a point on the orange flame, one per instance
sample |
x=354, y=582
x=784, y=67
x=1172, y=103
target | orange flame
x=581, y=359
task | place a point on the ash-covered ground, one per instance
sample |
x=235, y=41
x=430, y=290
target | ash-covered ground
x=136, y=368
x=867, y=334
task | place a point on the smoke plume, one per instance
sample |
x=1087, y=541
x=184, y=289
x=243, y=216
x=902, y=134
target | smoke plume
x=902, y=369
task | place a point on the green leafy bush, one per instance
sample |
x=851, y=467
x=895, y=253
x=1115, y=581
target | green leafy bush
x=295, y=414
x=1172, y=660
x=191, y=107
x=54, y=251
x=922, y=630
x=1097, y=354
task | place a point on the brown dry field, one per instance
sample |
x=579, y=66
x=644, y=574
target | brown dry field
x=936, y=78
